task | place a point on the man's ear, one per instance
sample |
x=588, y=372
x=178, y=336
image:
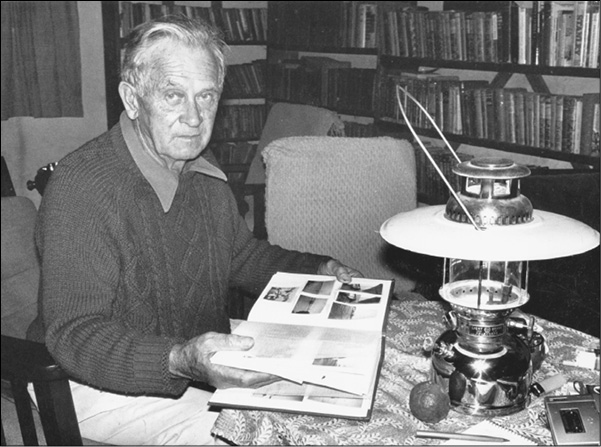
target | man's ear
x=130, y=100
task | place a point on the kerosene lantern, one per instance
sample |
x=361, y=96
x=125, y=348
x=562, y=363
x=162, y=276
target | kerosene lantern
x=487, y=233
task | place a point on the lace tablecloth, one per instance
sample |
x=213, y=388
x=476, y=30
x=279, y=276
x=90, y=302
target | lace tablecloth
x=411, y=325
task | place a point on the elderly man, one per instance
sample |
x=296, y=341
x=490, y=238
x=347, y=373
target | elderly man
x=140, y=240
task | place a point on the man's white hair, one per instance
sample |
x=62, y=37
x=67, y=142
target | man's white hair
x=140, y=64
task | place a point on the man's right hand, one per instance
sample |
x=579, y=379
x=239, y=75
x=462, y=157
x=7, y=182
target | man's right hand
x=192, y=360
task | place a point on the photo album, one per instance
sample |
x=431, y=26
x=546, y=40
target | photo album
x=324, y=338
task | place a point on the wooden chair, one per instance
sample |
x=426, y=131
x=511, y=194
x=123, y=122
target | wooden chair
x=25, y=362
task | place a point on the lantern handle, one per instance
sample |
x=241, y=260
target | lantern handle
x=421, y=145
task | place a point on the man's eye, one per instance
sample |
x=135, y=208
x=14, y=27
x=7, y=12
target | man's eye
x=207, y=96
x=173, y=96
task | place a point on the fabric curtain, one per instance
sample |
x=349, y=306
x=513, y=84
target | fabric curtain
x=41, y=64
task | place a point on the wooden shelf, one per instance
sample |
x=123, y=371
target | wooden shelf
x=392, y=127
x=408, y=62
x=242, y=97
x=235, y=139
x=324, y=49
x=249, y=43
x=354, y=112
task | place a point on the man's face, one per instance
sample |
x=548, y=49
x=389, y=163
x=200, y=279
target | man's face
x=176, y=119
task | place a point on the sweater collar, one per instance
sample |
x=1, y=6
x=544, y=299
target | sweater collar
x=164, y=182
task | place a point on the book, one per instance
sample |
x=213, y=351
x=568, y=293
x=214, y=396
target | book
x=589, y=134
x=490, y=428
x=322, y=65
x=367, y=25
x=324, y=339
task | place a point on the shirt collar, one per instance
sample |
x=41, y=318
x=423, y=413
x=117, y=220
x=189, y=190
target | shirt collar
x=164, y=182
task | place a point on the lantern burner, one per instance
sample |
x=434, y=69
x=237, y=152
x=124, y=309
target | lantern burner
x=491, y=193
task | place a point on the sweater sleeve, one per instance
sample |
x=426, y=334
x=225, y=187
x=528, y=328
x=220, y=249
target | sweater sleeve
x=81, y=267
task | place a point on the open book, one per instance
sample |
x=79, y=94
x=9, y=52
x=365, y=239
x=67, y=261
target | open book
x=322, y=337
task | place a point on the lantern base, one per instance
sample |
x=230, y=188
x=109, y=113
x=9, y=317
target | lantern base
x=483, y=384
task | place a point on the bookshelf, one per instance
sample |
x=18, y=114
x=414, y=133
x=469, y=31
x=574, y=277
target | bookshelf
x=325, y=54
x=501, y=40
x=505, y=39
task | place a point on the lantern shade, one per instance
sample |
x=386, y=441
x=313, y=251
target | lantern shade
x=426, y=230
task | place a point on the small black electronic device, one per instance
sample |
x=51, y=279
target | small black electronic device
x=574, y=420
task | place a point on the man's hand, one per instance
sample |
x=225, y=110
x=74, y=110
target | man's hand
x=192, y=360
x=335, y=268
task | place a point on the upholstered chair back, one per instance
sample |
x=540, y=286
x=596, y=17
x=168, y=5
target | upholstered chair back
x=330, y=195
x=20, y=266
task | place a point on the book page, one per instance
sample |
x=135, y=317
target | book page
x=318, y=300
x=291, y=397
x=341, y=359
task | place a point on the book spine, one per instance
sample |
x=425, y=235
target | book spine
x=490, y=114
x=548, y=121
x=522, y=38
x=593, y=53
x=590, y=107
x=510, y=117
x=536, y=122
x=520, y=117
x=361, y=25
x=577, y=39
x=535, y=33
x=499, y=107
x=595, y=136
x=370, y=25
x=558, y=135
x=577, y=127
x=516, y=32
x=545, y=27
x=569, y=110
x=585, y=35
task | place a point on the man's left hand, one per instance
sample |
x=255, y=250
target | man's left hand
x=342, y=272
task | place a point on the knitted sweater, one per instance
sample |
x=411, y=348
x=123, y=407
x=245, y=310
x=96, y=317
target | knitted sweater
x=123, y=281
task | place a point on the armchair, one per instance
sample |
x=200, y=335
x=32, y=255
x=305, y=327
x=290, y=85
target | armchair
x=24, y=361
x=329, y=195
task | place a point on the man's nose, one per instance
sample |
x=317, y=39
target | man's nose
x=192, y=114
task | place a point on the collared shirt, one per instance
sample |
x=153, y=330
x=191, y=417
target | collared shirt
x=164, y=181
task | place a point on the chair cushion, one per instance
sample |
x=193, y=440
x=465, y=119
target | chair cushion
x=20, y=266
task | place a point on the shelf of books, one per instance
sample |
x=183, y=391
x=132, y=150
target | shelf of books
x=241, y=26
x=512, y=119
x=537, y=39
x=245, y=81
x=324, y=25
x=540, y=33
x=323, y=82
x=317, y=55
x=502, y=67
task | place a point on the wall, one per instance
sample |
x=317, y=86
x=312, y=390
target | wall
x=30, y=143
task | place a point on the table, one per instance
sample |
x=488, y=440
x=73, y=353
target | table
x=412, y=324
